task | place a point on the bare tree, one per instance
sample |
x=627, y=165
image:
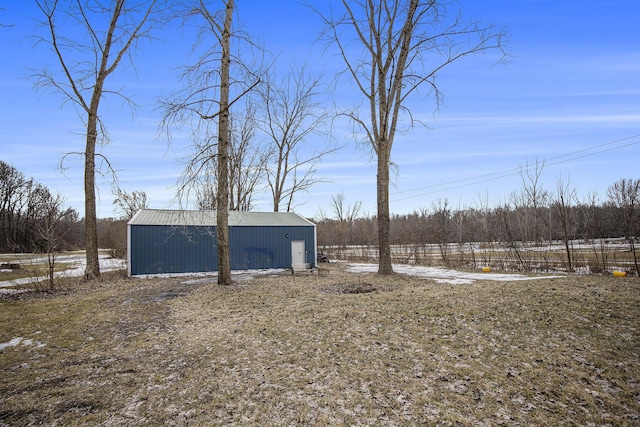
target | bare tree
x=441, y=227
x=13, y=191
x=405, y=44
x=346, y=216
x=206, y=102
x=51, y=230
x=205, y=185
x=291, y=114
x=247, y=162
x=504, y=214
x=487, y=233
x=535, y=197
x=625, y=195
x=129, y=203
x=224, y=135
x=595, y=230
x=87, y=57
x=343, y=212
x=198, y=182
x=563, y=201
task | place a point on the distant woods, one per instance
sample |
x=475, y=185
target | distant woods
x=556, y=230
x=31, y=217
x=34, y=220
x=533, y=230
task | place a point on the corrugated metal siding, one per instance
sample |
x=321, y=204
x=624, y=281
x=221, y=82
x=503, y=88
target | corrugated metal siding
x=160, y=249
x=187, y=249
x=268, y=247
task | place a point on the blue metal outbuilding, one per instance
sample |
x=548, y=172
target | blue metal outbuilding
x=179, y=241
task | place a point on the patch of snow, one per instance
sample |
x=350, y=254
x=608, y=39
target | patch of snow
x=79, y=263
x=14, y=342
x=445, y=275
x=583, y=271
x=209, y=274
x=197, y=281
x=20, y=340
x=10, y=291
x=207, y=277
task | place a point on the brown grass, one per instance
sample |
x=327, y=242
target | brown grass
x=335, y=349
x=33, y=270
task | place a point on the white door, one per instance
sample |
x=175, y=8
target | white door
x=298, y=261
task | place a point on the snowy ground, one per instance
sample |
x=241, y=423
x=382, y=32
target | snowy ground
x=445, y=275
x=206, y=277
x=439, y=274
x=78, y=262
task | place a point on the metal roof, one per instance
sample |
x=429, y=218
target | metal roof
x=208, y=218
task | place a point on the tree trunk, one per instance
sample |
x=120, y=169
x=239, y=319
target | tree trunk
x=52, y=268
x=564, y=218
x=89, y=59
x=568, y=251
x=92, y=270
x=224, y=258
x=635, y=255
x=384, y=233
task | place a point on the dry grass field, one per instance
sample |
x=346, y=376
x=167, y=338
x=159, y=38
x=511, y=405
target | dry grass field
x=333, y=349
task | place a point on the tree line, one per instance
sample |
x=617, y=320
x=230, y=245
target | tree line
x=533, y=224
x=32, y=218
x=35, y=220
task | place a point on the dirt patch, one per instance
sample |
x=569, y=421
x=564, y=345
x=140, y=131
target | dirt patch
x=168, y=290
x=358, y=288
x=299, y=350
x=364, y=288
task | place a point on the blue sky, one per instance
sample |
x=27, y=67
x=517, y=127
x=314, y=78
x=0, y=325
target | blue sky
x=569, y=95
